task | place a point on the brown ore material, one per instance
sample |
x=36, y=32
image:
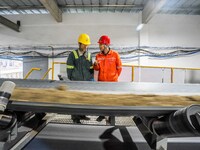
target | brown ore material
x=62, y=95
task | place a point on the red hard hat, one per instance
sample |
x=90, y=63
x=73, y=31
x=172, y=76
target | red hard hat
x=104, y=40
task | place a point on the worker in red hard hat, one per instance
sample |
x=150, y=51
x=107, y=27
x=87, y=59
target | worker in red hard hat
x=108, y=63
x=104, y=40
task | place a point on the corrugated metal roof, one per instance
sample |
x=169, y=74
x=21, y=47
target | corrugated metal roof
x=191, y=7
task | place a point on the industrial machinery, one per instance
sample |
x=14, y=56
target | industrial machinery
x=25, y=125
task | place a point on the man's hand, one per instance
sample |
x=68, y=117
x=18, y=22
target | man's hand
x=95, y=62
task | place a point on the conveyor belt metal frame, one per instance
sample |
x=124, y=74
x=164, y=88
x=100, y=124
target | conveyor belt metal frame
x=145, y=111
x=90, y=109
x=155, y=142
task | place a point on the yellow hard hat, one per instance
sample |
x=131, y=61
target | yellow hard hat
x=84, y=39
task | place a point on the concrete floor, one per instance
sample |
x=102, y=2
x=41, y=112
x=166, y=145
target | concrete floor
x=95, y=137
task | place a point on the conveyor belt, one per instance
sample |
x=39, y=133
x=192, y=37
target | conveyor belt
x=102, y=87
x=91, y=110
x=116, y=87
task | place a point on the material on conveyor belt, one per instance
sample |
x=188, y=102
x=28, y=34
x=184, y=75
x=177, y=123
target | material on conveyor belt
x=83, y=98
x=53, y=100
x=113, y=88
x=37, y=99
x=154, y=121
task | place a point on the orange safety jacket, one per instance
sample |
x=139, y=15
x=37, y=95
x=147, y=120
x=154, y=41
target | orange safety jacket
x=109, y=66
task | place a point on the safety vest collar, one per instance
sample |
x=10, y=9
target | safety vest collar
x=76, y=55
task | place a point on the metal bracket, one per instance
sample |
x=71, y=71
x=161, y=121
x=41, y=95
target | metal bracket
x=10, y=24
x=8, y=127
x=149, y=136
x=161, y=144
x=110, y=120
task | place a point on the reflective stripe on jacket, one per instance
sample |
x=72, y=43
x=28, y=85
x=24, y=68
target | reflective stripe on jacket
x=80, y=68
x=109, y=66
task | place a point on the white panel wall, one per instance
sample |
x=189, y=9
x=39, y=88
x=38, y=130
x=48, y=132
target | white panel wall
x=43, y=29
x=174, y=30
x=161, y=31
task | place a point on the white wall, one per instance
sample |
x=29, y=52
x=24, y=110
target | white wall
x=161, y=31
x=171, y=31
x=174, y=30
x=43, y=29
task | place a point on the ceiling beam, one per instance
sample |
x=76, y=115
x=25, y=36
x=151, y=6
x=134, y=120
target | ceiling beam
x=10, y=24
x=150, y=9
x=67, y=6
x=53, y=8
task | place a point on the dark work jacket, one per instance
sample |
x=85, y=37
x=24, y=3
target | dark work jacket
x=80, y=68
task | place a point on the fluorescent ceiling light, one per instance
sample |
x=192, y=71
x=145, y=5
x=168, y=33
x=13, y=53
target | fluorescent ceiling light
x=139, y=27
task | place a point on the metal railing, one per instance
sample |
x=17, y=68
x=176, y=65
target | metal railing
x=46, y=73
x=31, y=70
x=133, y=67
x=159, y=67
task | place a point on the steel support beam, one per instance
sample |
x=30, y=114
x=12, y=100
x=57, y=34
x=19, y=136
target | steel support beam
x=10, y=24
x=150, y=9
x=53, y=8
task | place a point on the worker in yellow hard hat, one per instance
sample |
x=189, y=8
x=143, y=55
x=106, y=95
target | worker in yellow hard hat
x=80, y=66
x=84, y=39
